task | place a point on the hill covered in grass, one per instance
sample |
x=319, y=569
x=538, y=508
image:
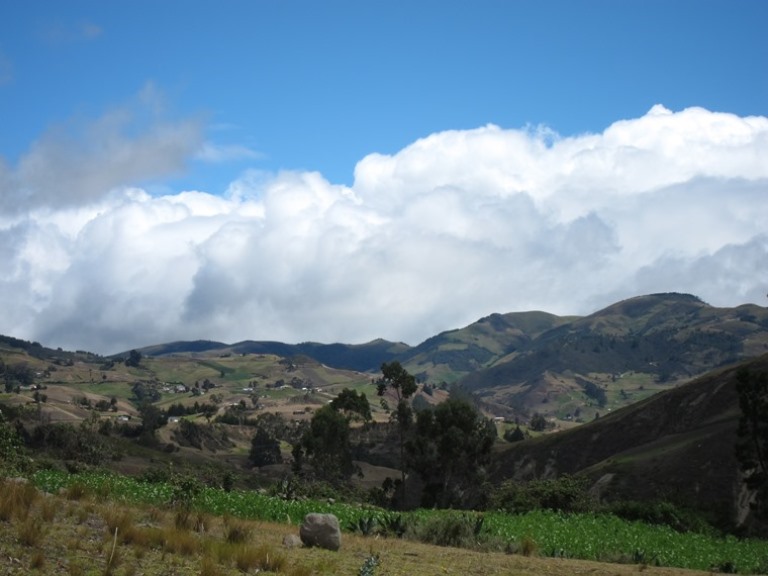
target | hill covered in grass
x=677, y=446
x=566, y=368
x=650, y=427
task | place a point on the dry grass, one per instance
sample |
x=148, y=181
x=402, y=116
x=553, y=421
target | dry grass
x=528, y=546
x=75, y=491
x=30, y=531
x=80, y=540
x=209, y=567
x=257, y=558
x=17, y=500
x=236, y=531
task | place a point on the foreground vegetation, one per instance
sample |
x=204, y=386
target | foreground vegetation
x=78, y=533
x=194, y=521
x=597, y=537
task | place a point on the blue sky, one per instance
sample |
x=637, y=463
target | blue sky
x=318, y=85
x=352, y=117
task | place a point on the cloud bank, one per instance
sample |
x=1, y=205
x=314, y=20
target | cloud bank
x=453, y=227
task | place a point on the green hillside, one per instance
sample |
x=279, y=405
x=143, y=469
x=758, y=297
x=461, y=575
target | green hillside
x=645, y=384
x=618, y=356
x=677, y=445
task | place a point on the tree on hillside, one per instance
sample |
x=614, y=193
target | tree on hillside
x=752, y=446
x=538, y=422
x=516, y=435
x=265, y=449
x=396, y=380
x=134, y=359
x=209, y=411
x=325, y=445
x=276, y=425
x=16, y=375
x=354, y=405
x=152, y=418
x=143, y=392
x=450, y=451
x=271, y=428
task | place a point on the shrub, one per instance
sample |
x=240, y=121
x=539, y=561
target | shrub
x=369, y=566
x=12, y=460
x=185, y=489
x=364, y=525
x=565, y=494
x=661, y=513
x=182, y=520
x=394, y=525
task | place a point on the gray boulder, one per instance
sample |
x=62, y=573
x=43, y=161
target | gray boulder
x=321, y=530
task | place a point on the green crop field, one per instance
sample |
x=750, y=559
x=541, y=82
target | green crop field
x=599, y=537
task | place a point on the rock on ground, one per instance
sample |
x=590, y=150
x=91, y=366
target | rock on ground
x=321, y=530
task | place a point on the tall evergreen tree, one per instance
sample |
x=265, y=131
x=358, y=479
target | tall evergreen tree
x=326, y=446
x=450, y=451
x=396, y=380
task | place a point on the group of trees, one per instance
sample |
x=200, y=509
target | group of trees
x=447, y=446
x=16, y=375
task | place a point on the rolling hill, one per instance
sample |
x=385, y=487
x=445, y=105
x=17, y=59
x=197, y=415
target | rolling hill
x=658, y=370
x=617, y=356
x=677, y=446
x=566, y=368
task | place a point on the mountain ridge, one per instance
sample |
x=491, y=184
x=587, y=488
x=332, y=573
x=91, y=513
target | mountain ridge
x=516, y=365
x=521, y=363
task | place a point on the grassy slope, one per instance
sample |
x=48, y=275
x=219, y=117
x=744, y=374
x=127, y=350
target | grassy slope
x=678, y=446
x=231, y=375
x=57, y=535
x=630, y=350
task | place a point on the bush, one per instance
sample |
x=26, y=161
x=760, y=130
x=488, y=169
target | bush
x=369, y=566
x=661, y=513
x=185, y=488
x=80, y=444
x=565, y=494
x=516, y=435
x=12, y=461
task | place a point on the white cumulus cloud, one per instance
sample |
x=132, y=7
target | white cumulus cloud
x=455, y=226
